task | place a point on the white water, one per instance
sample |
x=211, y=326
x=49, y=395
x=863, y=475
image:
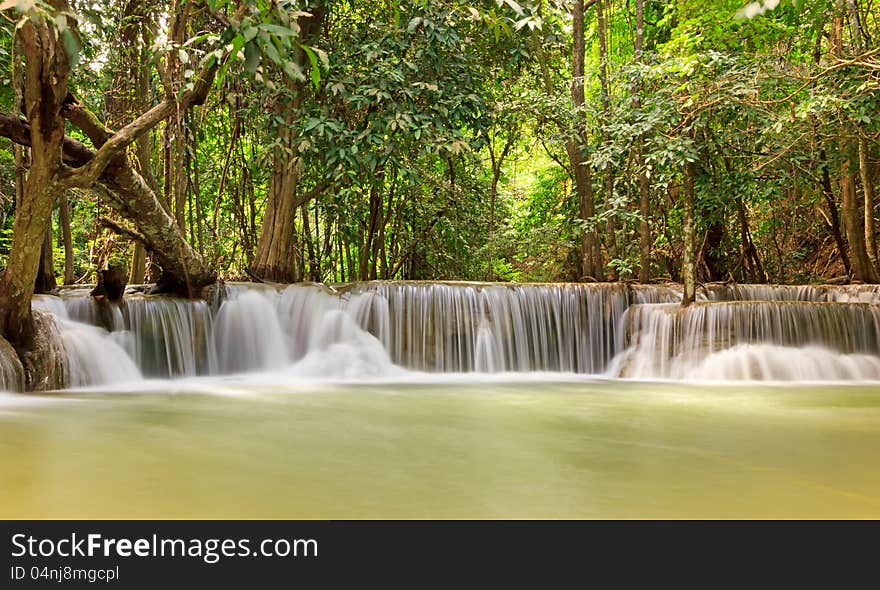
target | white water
x=11, y=372
x=410, y=330
x=248, y=334
x=752, y=340
x=94, y=355
x=764, y=362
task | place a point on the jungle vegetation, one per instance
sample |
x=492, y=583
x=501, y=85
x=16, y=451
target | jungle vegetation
x=507, y=140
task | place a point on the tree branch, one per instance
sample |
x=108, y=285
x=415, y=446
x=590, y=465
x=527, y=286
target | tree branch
x=113, y=146
x=123, y=231
x=18, y=131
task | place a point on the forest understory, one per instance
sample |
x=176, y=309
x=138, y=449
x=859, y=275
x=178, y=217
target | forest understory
x=181, y=143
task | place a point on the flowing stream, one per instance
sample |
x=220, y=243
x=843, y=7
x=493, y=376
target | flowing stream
x=467, y=449
x=404, y=330
x=399, y=400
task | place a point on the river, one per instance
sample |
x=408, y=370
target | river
x=509, y=446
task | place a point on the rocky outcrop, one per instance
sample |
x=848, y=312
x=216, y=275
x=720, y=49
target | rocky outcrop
x=11, y=371
x=45, y=363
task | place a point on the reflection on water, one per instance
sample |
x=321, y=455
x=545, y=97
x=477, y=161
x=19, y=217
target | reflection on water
x=502, y=450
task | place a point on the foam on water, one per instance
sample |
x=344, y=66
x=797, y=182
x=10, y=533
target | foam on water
x=762, y=362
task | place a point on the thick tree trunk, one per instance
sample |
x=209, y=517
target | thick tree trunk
x=274, y=260
x=46, y=72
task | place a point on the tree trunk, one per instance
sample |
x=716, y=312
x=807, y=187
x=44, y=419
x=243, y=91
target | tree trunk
x=497, y=163
x=177, y=171
x=590, y=254
x=644, y=186
x=610, y=225
x=46, y=282
x=366, y=264
x=863, y=270
x=175, y=129
x=688, y=265
x=833, y=214
x=274, y=260
x=64, y=222
x=868, y=188
x=493, y=191
x=46, y=71
x=310, y=246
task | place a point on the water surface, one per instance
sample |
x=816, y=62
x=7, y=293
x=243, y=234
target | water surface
x=492, y=449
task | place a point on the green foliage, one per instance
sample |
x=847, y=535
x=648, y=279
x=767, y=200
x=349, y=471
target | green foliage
x=396, y=116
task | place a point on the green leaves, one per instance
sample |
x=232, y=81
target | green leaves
x=315, y=71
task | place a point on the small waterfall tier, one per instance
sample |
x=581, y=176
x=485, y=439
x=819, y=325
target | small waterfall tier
x=733, y=332
x=793, y=339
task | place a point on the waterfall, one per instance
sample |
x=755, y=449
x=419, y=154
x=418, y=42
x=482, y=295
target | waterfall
x=94, y=356
x=11, y=371
x=170, y=337
x=751, y=340
x=374, y=329
x=554, y=327
x=248, y=334
x=815, y=293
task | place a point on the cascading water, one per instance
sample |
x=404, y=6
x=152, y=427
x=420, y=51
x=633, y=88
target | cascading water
x=248, y=334
x=379, y=329
x=816, y=293
x=94, y=355
x=11, y=371
x=554, y=327
x=170, y=337
x=757, y=340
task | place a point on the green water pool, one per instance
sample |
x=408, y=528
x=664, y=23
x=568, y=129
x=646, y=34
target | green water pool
x=534, y=449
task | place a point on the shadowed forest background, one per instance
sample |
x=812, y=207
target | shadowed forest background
x=496, y=140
